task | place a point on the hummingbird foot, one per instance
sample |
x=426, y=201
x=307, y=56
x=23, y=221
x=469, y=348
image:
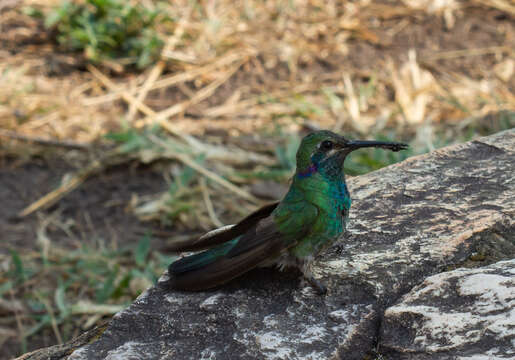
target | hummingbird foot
x=317, y=285
x=304, y=265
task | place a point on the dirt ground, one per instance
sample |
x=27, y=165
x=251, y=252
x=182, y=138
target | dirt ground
x=97, y=210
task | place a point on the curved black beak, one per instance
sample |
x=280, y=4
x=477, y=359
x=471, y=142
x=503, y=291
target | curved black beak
x=357, y=144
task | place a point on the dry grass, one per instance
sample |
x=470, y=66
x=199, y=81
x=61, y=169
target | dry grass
x=237, y=65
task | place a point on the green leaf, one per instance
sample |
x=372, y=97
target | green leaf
x=36, y=305
x=335, y=102
x=44, y=321
x=59, y=298
x=32, y=11
x=123, y=285
x=164, y=260
x=286, y=154
x=142, y=250
x=107, y=288
x=53, y=18
x=19, y=271
x=8, y=285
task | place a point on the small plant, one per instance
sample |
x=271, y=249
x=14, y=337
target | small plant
x=108, y=29
x=181, y=197
x=75, y=288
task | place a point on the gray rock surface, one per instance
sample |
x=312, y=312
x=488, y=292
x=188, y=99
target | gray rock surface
x=426, y=215
x=470, y=312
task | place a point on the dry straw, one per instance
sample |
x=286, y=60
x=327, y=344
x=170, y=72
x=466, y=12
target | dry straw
x=236, y=66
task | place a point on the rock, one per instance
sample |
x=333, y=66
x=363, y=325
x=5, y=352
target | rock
x=469, y=312
x=409, y=221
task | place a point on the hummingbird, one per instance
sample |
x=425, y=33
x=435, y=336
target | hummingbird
x=289, y=233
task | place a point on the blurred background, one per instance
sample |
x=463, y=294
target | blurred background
x=124, y=124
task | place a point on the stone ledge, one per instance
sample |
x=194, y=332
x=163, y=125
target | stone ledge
x=408, y=221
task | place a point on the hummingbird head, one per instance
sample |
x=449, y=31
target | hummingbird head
x=324, y=151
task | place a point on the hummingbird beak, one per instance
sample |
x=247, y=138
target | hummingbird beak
x=358, y=144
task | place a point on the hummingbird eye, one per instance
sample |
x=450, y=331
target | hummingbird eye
x=326, y=145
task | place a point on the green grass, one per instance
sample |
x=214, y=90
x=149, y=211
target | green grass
x=65, y=289
x=119, y=30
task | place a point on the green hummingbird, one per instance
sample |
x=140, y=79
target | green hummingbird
x=292, y=232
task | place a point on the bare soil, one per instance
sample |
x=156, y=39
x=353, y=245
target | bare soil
x=98, y=210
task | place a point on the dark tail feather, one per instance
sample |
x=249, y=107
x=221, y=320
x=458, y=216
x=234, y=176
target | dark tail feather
x=183, y=272
x=222, y=235
x=200, y=260
x=228, y=260
x=204, y=271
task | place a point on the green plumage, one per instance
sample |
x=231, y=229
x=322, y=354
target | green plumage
x=311, y=217
x=200, y=260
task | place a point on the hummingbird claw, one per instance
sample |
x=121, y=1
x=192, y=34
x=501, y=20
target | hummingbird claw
x=318, y=286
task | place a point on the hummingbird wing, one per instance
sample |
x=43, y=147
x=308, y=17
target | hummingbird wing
x=225, y=233
x=264, y=241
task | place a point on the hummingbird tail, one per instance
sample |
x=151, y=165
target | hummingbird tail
x=200, y=260
x=251, y=247
x=195, y=272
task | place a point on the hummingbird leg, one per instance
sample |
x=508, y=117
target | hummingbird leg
x=318, y=286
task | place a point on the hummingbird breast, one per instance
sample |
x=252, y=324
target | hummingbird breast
x=333, y=204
